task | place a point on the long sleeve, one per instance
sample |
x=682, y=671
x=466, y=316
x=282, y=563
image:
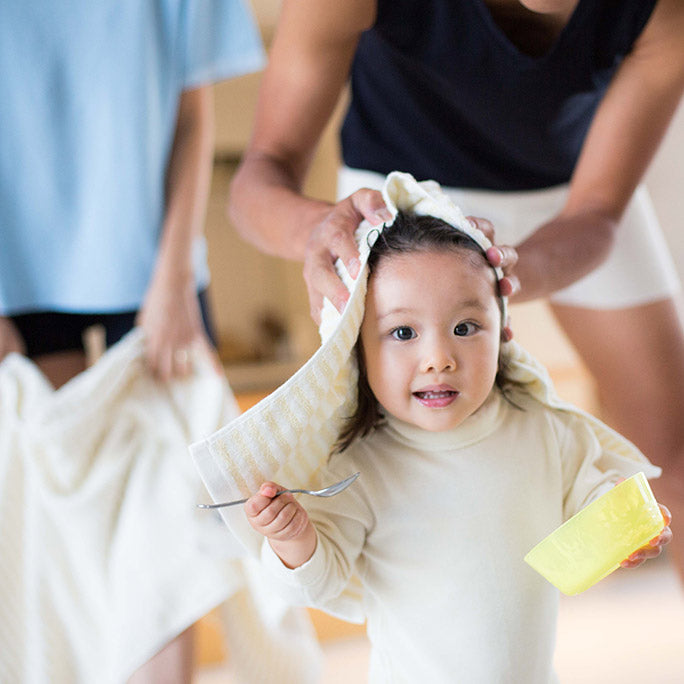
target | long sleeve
x=342, y=524
x=589, y=469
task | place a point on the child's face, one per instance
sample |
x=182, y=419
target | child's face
x=430, y=336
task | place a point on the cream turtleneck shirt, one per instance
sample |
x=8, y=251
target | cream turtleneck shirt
x=436, y=529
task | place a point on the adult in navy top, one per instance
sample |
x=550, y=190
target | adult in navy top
x=489, y=115
x=516, y=105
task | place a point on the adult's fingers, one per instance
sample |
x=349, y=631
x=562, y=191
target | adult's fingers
x=160, y=362
x=506, y=258
x=344, y=219
x=509, y=285
x=371, y=205
x=503, y=256
x=484, y=225
x=333, y=239
x=322, y=281
x=182, y=363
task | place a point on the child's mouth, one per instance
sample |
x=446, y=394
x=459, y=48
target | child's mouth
x=436, y=398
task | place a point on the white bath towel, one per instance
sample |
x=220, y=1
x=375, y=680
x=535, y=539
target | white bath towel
x=103, y=556
x=289, y=434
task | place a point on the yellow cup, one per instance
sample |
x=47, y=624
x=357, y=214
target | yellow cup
x=591, y=544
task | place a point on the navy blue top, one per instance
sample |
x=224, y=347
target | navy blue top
x=439, y=91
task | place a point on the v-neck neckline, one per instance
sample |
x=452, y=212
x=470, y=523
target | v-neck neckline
x=502, y=38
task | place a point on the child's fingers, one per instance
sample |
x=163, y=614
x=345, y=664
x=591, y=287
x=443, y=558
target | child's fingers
x=665, y=537
x=651, y=550
x=654, y=546
x=667, y=516
x=634, y=561
x=264, y=516
x=262, y=499
x=289, y=522
x=269, y=513
x=639, y=556
x=256, y=505
x=270, y=489
x=276, y=517
x=283, y=519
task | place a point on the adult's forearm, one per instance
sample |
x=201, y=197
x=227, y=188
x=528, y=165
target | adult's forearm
x=188, y=182
x=268, y=209
x=561, y=252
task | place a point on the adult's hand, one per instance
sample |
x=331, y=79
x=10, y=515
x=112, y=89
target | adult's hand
x=10, y=339
x=505, y=257
x=172, y=321
x=332, y=239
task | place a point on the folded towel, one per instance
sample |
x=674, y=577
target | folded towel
x=290, y=434
x=103, y=556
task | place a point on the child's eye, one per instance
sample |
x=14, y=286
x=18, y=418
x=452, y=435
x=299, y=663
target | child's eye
x=403, y=333
x=465, y=329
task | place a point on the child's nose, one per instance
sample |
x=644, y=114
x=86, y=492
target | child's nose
x=439, y=358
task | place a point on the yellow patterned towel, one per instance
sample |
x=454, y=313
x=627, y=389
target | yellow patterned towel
x=288, y=435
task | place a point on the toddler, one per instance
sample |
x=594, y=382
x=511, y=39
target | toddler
x=467, y=460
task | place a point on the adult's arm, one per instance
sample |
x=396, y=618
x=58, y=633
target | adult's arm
x=170, y=314
x=10, y=339
x=622, y=140
x=308, y=68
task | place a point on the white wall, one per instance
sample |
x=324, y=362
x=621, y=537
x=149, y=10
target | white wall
x=665, y=181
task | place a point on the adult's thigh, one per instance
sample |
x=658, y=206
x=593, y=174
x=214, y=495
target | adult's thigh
x=636, y=356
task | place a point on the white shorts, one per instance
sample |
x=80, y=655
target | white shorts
x=639, y=269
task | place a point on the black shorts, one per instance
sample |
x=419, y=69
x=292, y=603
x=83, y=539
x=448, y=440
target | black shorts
x=45, y=332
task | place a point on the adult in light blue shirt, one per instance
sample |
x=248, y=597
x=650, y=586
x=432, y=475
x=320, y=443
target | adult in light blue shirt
x=105, y=162
x=105, y=148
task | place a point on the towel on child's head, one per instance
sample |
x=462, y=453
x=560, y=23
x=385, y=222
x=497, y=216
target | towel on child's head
x=288, y=435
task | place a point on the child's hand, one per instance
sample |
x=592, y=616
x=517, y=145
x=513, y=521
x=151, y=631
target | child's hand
x=284, y=522
x=654, y=547
x=280, y=518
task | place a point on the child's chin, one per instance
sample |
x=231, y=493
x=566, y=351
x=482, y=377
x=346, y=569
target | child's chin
x=439, y=423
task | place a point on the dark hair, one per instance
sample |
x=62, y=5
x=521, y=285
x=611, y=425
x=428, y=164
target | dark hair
x=408, y=233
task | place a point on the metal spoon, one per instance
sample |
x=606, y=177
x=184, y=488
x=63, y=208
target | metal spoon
x=330, y=490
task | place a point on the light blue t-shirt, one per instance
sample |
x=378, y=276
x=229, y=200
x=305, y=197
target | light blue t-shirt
x=90, y=92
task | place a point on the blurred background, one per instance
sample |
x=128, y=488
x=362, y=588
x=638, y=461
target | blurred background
x=628, y=628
